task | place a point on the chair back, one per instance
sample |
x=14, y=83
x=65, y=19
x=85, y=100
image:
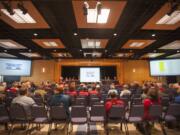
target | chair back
x=38, y=111
x=174, y=109
x=78, y=112
x=81, y=101
x=116, y=112
x=155, y=111
x=17, y=112
x=136, y=101
x=58, y=113
x=136, y=111
x=98, y=110
x=3, y=111
x=93, y=101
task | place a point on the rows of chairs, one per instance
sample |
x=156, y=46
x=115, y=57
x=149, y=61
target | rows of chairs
x=79, y=114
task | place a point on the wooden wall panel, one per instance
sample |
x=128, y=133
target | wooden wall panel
x=125, y=69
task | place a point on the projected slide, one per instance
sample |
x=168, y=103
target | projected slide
x=15, y=67
x=89, y=74
x=165, y=67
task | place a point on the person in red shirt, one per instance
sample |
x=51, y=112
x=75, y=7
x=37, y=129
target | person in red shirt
x=94, y=91
x=113, y=101
x=72, y=89
x=152, y=98
x=84, y=92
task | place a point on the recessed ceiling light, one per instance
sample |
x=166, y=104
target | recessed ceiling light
x=35, y=34
x=54, y=50
x=5, y=50
x=130, y=50
x=29, y=50
x=178, y=51
x=75, y=34
x=18, y=16
x=153, y=35
x=80, y=50
x=170, y=19
x=106, y=50
x=115, y=34
x=50, y=44
x=93, y=16
x=154, y=51
x=136, y=44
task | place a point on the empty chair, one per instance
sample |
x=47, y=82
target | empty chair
x=136, y=101
x=18, y=115
x=81, y=101
x=173, y=113
x=155, y=113
x=38, y=100
x=98, y=114
x=93, y=101
x=136, y=114
x=39, y=115
x=126, y=101
x=58, y=115
x=117, y=115
x=4, y=117
x=165, y=101
x=78, y=115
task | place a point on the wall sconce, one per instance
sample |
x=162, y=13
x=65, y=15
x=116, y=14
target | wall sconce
x=134, y=70
x=43, y=70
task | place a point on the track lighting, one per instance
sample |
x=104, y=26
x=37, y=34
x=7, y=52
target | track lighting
x=22, y=8
x=7, y=6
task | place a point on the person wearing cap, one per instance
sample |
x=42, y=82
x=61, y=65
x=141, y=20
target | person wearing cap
x=125, y=91
x=60, y=98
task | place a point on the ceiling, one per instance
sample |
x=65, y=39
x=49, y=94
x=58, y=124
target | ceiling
x=59, y=30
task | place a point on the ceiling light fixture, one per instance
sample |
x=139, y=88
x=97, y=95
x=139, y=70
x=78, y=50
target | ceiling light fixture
x=7, y=6
x=75, y=34
x=178, y=51
x=115, y=34
x=96, y=15
x=50, y=44
x=22, y=8
x=153, y=35
x=35, y=34
x=18, y=16
x=5, y=50
x=136, y=44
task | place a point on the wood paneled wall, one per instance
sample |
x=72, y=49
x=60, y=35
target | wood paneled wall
x=127, y=70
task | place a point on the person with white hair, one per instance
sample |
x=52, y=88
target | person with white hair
x=112, y=89
x=125, y=91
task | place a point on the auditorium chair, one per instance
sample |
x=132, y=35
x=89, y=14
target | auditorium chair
x=117, y=115
x=78, y=116
x=58, y=115
x=4, y=117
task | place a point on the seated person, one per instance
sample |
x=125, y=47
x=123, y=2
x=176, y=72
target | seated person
x=72, y=89
x=59, y=98
x=94, y=91
x=84, y=92
x=153, y=98
x=177, y=98
x=125, y=91
x=112, y=90
x=24, y=100
x=113, y=101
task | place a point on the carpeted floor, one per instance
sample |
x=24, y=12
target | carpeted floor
x=94, y=130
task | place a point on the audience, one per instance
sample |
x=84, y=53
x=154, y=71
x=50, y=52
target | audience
x=112, y=90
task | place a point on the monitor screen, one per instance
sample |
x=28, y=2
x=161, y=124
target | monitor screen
x=12, y=67
x=90, y=74
x=165, y=67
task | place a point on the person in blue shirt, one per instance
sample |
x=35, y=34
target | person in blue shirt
x=60, y=98
x=177, y=98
